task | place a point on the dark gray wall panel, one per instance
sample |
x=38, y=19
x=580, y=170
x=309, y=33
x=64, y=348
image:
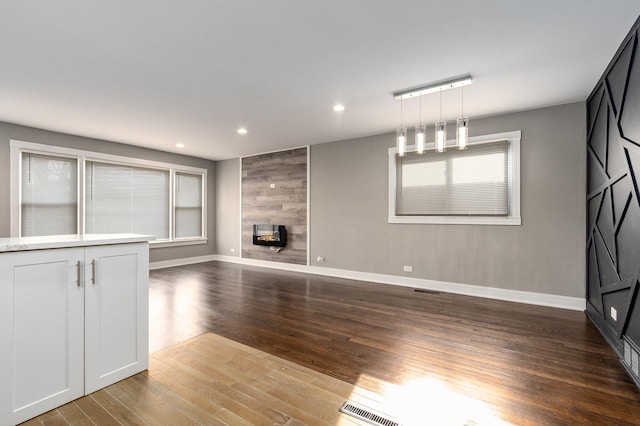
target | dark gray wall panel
x=597, y=177
x=617, y=77
x=593, y=280
x=629, y=121
x=633, y=333
x=613, y=206
x=628, y=241
x=616, y=158
x=620, y=192
x=606, y=267
x=598, y=136
x=593, y=105
x=605, y=223
x=593, y=207
x=633, y=161
x=618, y=300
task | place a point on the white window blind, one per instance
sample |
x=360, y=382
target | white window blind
x=125, y=199
x=471, y=182
x=188, y=205
x=49, y=195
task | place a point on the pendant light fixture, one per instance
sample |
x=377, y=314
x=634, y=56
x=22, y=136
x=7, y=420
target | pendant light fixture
x=420, y=133
x=462, y=128
x=401, y=136
x=441, y=131
x=432, y=88
x=440, y=145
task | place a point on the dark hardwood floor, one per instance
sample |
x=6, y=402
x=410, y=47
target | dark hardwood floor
x=532, y=365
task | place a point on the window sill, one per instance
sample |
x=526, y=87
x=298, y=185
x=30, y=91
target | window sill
x=177, y=243
x=456, y=220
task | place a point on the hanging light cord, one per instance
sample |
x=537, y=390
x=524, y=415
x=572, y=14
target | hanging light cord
x=440, y=105
x=401, y=113
x=462, y=108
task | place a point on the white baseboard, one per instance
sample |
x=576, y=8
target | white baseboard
x=264, y=263
x=180, y=262
x=531, y=298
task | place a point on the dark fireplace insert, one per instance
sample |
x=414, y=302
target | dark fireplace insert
x=270, y=235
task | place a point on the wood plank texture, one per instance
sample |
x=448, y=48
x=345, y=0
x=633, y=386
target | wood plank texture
x=531, y=364
x=286, y=204
x=289, y=348
x=211, y=380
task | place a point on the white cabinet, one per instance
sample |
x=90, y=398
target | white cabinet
x=72, y=321
x=42, y=332
x=116, y=313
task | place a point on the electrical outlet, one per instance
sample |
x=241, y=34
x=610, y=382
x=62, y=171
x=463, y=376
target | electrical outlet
x=408, y=268
x=233, y=250
x=272, y=185
x=614, y=314
x=320, y=259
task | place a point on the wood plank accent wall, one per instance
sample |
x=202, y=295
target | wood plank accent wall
x=613, y=203
x=286, y=204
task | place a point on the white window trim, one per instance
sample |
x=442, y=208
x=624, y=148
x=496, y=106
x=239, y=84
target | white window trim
x=514, y=186
x=17, y=147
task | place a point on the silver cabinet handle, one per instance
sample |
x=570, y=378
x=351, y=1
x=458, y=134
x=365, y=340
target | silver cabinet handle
x=93, y=271
x=78, y=278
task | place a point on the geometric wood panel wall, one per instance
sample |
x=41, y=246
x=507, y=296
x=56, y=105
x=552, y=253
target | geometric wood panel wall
x=274, y=192
x=613, y=198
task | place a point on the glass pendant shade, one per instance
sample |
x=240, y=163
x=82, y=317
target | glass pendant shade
x=401, y=141
x=462, y=132
x=441, y=136
x=420, y=137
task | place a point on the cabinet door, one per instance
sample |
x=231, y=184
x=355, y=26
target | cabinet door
x=41, y=332
x=116, y=313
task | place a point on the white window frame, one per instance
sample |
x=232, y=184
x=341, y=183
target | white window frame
x=18, y=147
x=514, y=185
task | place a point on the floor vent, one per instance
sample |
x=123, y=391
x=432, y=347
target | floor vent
x=366, y=414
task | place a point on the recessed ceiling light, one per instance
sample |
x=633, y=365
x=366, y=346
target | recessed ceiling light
x=242, y=131
x=338, y=108
x=180, y=145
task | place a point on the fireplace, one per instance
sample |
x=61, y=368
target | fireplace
x=270, y=235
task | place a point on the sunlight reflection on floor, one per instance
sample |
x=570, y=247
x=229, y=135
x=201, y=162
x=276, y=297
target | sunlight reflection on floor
x=172, y=317
x=427, y=401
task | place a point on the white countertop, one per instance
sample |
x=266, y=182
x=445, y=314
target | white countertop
x=63, y=241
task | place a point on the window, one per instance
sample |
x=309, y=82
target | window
x=115, y=195
x=125, y=199
x=478, y=185
x=49, y=195
x=188, y=205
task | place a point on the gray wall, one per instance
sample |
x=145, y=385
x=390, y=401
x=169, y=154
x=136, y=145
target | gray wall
x=29, y=134
x=349, y=205
x=228, y=207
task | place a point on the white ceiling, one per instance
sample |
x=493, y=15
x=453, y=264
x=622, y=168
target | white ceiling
x=157, y=73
